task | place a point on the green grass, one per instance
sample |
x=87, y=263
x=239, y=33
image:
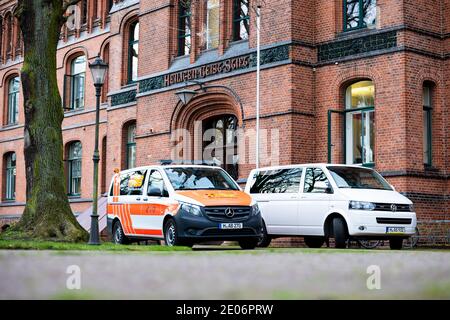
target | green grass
x=66, y=246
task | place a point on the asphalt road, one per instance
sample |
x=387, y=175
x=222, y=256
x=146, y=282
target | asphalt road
x=226, y=274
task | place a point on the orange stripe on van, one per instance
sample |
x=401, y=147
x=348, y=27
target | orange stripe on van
x=148, y=232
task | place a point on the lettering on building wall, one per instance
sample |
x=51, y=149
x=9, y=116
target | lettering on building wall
x=208, y=70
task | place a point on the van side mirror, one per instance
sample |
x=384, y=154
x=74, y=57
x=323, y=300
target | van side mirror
x=323, y=187
x=154, y=192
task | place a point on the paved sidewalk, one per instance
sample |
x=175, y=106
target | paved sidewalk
x=226, y=274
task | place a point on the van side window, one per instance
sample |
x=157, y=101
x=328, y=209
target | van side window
x=156, y=181
x=315, y=181
x=277, y=181
x=132, y=183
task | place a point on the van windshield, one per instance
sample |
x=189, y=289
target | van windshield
x=200, y=179
x=358, y=178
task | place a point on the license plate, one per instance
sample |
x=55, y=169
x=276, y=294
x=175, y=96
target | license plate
x=230, y=226
x=395, y=230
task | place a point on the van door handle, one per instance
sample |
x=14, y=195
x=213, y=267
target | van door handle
x=138, y=199
x=145, y=199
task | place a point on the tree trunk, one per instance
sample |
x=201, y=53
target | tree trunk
x=47, y=214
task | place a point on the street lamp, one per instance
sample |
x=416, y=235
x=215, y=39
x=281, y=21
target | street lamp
x=185, y=95
x=98, y=70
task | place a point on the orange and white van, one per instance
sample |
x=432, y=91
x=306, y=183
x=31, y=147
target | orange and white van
x=182, y=205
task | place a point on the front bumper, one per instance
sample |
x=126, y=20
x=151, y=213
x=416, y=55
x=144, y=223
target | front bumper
x=365, y=224
x=200, y=228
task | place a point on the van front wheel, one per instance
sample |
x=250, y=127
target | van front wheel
x=118, y=235
x=265, y=239
x=340, y=233
x=171, y=234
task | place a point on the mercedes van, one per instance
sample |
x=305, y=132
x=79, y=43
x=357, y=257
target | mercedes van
x=182, y=205
x=322, y=201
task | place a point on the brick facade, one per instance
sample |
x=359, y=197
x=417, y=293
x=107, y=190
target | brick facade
x=308, y=61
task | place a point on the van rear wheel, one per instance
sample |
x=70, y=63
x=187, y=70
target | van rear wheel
x=118, y=235
x=314, y=242
x=340, y=233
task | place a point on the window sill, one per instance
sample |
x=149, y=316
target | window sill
x=11, y=203
x=430, y=168
x=356, y=32
x=10, y=126
x=73, y=111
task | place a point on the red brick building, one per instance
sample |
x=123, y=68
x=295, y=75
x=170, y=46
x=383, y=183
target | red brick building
x=343, y=81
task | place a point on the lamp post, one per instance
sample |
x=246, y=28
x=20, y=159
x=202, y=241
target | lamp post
x=258, y=79
x=98, y=70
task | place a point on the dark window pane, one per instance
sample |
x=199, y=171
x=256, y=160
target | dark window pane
x=156, y=181
x=315, y=181
x=74, y=159
x=352, y=14
x=184, y=27
x=369, y=12
x=277, y=181
x=241, y=20
x=359, y=13
x=133, y=52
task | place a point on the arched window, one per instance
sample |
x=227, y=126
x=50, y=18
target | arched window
x=105, y=88
x=427, y=122
x=10, y=176
x=360, y=120
x=74, y=168
x=241, y=19
x=131, y=146
x=13, y=101
x=103, y=166
x=184, y=27
x=76, y=78
x=220, y=142
x=133, y=51
x=212, y=23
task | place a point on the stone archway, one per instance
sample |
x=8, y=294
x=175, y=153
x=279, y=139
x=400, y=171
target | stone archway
x=187, y=124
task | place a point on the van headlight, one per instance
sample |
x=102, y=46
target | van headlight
x=361, y=205
x=255, y=210
x=192, y=209
x=411, y=208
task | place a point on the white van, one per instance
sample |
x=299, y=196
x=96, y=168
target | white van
x=322, y=201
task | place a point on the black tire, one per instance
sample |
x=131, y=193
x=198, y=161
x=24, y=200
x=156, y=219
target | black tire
x=340, y=233
x=265, y=239
x=314, y=242
x=396, y=243
x=369, y=244
x=248, y=244
x=171, y=234
x=118, y=236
